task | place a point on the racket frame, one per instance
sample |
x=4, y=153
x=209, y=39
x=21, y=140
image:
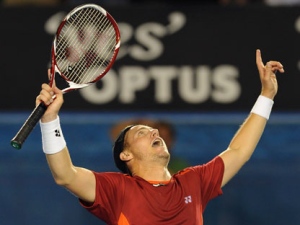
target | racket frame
x=40, y=109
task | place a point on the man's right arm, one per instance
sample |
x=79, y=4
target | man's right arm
x=79, y=181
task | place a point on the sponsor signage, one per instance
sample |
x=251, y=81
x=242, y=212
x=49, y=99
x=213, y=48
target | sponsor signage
x=191, y=58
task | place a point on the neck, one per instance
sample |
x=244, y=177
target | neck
x=153, y=173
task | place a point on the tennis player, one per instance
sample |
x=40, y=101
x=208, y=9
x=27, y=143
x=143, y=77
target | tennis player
x=145, y=193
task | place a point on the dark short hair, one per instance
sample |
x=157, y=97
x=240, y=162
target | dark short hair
x=118, y=148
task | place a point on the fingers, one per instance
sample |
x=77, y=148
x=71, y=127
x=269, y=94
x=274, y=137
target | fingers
x=51, y=78
x=274, y=66
x=46, y=95
x=259, y=62
x=271, y=67
x=49, y=74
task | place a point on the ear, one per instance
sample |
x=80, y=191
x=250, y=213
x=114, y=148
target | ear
x=125, y=156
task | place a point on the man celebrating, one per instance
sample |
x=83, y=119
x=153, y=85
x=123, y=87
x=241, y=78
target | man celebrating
x=146, y=193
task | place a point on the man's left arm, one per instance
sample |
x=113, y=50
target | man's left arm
x=247, y=137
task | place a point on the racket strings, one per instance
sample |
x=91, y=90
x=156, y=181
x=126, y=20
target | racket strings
x=89, y=56
x=104, y=57
x=82, y=55
x=107, y=47
x=82, y=22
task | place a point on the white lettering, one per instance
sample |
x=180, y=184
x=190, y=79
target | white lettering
x=105, y=94
x=194, y=84
x=163, y=76
x=151, y=46
x=126, y=31
x=227, y=88
x=147, y=35
x=132, y=79
x=194, y=89
x=177, y=21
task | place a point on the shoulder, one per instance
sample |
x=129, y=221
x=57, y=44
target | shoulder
x=110, y=174
x=216, y=164
x=113, y=177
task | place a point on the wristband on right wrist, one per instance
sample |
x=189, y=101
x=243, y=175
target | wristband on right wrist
x=263, y=107
x=52, y=137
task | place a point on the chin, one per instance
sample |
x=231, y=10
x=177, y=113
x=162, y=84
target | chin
x=162, y=148
x=165, y=154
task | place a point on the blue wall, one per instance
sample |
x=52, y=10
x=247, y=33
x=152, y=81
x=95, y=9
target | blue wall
x=264, y=192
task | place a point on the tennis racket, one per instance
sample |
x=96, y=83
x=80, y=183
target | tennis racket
x=84, y=49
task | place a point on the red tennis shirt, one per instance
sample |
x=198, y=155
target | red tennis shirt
x=125, y=200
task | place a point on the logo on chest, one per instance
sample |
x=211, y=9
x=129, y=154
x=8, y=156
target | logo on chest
x=188, y=199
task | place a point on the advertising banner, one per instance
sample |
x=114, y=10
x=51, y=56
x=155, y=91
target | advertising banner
x=187, y=58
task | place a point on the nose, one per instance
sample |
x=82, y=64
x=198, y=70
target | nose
x=154, y=133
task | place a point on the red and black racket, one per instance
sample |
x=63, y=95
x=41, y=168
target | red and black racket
x=85, y=47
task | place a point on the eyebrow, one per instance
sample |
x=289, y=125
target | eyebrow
x=143, y=127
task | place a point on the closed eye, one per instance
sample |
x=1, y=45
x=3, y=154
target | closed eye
x=142, y=131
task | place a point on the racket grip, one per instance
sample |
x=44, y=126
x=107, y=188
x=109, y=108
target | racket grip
x=28, y=126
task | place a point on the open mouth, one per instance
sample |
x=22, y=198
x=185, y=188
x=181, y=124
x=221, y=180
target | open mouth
x=157, y=142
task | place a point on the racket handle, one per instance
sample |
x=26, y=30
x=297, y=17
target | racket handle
x=28, y=126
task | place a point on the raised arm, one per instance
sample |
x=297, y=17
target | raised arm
x=245, y=140
x=79, y=181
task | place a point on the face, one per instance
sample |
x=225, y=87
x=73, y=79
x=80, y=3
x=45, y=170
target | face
x=145, y=143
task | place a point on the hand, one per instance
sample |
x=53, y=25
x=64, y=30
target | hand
x=267, y=75
x=52, y=97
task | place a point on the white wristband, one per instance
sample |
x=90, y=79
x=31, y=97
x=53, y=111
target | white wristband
x=52, y=137
x=263, y=106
